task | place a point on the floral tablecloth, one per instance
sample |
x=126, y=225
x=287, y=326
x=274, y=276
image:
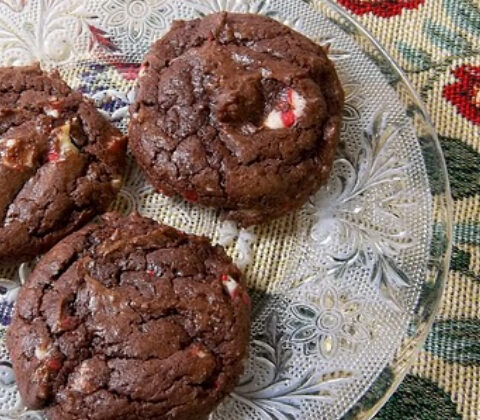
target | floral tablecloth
x=437, y=43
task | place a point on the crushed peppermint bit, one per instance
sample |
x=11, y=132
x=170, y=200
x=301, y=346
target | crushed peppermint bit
x=191, y=196
x=62, y=144
x=230, y=285
x=150, y=273
x=68, y=323
x=53, y=156
x=54, y=364
x=287, y=112
x=288, y=118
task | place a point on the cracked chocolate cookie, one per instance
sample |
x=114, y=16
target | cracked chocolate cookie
x=61, y=162
x=130, y=319
x=237, y=112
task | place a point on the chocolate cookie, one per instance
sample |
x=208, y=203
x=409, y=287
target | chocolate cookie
x=61, y=162
x=237, y=112
x=129, y=319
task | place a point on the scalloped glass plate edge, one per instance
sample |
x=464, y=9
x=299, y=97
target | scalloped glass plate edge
x=388, y=381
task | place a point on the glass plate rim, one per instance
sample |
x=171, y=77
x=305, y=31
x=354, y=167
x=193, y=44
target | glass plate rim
x=419, y=336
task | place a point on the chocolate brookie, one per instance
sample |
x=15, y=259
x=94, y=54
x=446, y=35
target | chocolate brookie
x=239, y=112
x=61, y=162
x=129, y=319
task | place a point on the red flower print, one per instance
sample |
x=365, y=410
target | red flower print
x=382, y=8
x=100, y=37
x=128, y=70
x=465, y=93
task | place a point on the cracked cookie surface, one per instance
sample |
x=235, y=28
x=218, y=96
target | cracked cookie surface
x=130, y=319
x=237, y=112
x=61, y=162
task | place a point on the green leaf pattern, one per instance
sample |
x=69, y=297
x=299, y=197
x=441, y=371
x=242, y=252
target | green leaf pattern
x=419, y=59
x=456, y=341
x=463, y=163
x=405, y=405
x=464, y=14
x=445, y=39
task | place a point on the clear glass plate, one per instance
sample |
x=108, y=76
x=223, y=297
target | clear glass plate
x=344, y=290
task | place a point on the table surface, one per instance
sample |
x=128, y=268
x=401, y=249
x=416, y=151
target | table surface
x=437, y=43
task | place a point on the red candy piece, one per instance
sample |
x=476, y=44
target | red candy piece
x=54, y=364
x=230, y=285
x=288, y=118
x=53, y=156
x=191, y=195
x=128, y=70
x=116, y=146
x=287, y=111
x=150, y=273
x=290, y=97
x=68, y=323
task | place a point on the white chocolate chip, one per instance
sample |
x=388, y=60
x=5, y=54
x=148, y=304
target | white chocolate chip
x=41, y=352
x=63, y=136
x=274, y=120
x=242, y=59
x=81, y=381
x=298, y=104
x=51, y=112
x=11, y=143
x=201, y=354
x=266, y=73
x=28, y=159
